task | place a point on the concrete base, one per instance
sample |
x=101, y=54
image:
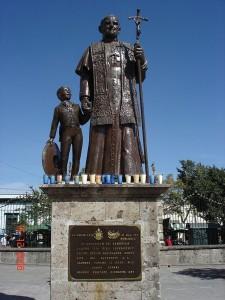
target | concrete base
x=105, y=205
x=32, y=256
x=173, y=256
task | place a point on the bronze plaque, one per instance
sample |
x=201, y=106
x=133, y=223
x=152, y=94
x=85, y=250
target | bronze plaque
x=104, y=253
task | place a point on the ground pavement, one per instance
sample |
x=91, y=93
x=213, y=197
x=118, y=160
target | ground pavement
x=177, y=283
x=193, y=282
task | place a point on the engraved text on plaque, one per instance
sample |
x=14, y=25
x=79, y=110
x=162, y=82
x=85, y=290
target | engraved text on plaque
x=104, y=253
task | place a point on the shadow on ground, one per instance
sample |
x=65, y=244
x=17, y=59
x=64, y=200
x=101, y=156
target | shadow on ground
x=14, y=297
x=205, y=273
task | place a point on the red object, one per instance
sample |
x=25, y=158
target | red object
x=20, y=261
x=168, y=242
x=20, y=243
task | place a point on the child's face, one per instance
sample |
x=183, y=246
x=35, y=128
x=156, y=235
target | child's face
x=65, y=94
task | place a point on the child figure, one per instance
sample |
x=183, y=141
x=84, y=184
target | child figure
x=70, y=116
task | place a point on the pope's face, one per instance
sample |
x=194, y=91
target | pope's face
x=110, y=27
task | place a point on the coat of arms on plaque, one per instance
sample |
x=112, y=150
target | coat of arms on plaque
x=98, y=234
x=112, y=235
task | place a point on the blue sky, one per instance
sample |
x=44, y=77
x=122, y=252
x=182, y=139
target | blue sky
x=42, y=41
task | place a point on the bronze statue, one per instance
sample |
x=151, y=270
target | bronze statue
x=70, y=116
x=108, y=71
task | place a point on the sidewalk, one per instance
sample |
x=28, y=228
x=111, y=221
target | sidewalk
x=30, y=284
x=177, y=283
x=193, y=282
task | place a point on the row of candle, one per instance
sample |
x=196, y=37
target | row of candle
x=102, y=179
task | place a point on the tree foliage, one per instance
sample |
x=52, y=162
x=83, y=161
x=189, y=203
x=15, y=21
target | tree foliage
x=39, y=211
x=169, y=179
x=175, y=203
x=197, y=188
x=204, y=186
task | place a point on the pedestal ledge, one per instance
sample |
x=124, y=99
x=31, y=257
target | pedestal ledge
x=95, y=192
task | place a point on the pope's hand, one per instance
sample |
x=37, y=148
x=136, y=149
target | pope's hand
x=139, y=53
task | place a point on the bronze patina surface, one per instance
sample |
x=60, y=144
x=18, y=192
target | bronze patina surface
x=69, y=116
x=108, y=76
x=51, y=159
x=104, y=253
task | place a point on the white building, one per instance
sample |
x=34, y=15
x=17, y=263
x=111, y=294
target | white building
x=12, y=206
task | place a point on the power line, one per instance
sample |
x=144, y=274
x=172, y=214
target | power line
x=14, y=189
x=19, y=169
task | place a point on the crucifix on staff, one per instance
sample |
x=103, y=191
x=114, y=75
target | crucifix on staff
x=138, y=19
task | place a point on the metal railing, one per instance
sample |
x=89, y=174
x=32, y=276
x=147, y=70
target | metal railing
x=23, y=226
x=188, y=226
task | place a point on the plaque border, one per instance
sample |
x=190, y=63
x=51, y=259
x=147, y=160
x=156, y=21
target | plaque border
x=70, y=278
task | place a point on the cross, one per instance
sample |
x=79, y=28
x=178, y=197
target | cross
x=138, y=19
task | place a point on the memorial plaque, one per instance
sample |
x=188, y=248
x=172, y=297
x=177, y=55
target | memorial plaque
x=104, y=253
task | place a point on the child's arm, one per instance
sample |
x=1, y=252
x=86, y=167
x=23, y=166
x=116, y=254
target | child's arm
x=54, y=125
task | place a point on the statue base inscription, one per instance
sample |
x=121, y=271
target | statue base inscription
x=104, y=253
x=105, y=241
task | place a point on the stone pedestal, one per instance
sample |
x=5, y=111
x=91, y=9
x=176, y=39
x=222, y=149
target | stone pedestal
x=135, y=205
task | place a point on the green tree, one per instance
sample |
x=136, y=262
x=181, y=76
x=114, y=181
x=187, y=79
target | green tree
x=174, y=201
x=204, y=187
x=39, y=210
x=169, y=179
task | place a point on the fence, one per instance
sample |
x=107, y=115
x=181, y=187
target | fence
x=21, y=225
x=187, y=226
